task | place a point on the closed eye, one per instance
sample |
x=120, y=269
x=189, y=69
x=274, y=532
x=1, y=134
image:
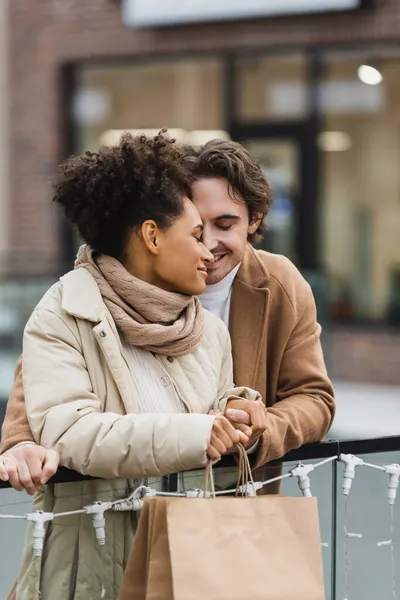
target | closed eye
x=197, y=232
x=225, y=222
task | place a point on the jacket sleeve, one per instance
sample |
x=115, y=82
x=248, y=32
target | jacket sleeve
x=305, y=406
x=227, y=390
x=16, y=426
x=65, y=413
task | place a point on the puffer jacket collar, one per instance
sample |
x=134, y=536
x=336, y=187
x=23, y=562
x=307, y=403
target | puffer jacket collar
x=81, y=296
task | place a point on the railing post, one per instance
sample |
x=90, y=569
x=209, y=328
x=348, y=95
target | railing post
x=169, y=483
x=334, y=531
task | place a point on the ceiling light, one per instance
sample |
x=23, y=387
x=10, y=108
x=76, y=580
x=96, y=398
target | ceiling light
x=369, y=75
x=334, y=141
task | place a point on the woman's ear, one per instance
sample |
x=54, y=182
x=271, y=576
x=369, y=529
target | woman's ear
x=149, y=232
x=255, y=223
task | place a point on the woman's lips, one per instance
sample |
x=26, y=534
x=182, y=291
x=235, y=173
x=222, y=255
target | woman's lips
x=203, y=271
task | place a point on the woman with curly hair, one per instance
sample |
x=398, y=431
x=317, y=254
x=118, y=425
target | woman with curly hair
x=124, y=373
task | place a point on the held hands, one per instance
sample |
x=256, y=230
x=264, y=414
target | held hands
x=28, y=466
x=224, y=437
x=247, y=416
x=244, y=413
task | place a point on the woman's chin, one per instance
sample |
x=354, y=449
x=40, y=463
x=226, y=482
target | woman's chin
x=193, y=288
x=200, y=289
x=197, y=289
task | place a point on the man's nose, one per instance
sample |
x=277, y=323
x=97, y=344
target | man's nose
x=209, y=240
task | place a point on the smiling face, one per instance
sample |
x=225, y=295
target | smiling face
x=226, y=225
x=180, y=258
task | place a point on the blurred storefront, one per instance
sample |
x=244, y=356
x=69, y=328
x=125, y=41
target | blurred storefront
x=4, y=128
x=311, y=88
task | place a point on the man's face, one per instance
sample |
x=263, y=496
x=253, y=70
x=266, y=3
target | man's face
x=226, y=225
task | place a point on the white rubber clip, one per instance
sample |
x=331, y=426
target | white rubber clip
x=99, y=523
x=196, y=493
x=39, y=519
x=350, y=463
x=394, y=474
x=250, y=490
x=302, y=472
x=134, y=502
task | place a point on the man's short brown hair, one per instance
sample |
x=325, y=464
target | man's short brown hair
x=231, y=161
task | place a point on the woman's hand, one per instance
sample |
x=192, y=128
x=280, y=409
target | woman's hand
x=223, y=438
x=28, y=466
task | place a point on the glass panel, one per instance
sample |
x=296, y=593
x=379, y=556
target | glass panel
x=321, y=487
x=271, y=88
x=364, y=567
x=12, y=536
x=280, y=162
x=184, y=95
x=16, y=503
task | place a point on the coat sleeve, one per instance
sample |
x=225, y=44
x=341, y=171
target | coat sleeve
x=305, y=407
x=65, y=413
x=227, y=389
x=16, y=426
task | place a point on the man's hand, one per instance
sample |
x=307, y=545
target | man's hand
x=28, y=466
x=244, y=413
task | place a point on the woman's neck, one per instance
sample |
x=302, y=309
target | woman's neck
x=141, y=267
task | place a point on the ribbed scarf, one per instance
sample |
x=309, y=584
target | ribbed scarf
x=145, y=315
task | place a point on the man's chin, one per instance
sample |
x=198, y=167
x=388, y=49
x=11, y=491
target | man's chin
x=213, y=279
x=216, y=275
x=221, y=268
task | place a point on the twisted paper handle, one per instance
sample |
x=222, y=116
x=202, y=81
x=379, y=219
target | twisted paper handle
x=245, y=476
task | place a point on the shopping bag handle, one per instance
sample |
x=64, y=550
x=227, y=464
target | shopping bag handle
x=245, y=476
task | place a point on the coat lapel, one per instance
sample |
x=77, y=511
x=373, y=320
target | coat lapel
x=81, y=298
x=248, y=322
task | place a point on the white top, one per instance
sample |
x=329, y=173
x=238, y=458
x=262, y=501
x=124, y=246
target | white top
x=217, y=297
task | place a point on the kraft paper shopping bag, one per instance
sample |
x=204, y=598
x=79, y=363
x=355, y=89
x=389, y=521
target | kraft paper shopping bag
x=263, y=548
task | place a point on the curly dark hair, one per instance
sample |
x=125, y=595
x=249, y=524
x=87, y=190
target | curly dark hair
x=231, y=161
x=109, y=193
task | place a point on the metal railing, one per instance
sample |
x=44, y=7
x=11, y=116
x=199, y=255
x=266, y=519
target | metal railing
x=326, y=484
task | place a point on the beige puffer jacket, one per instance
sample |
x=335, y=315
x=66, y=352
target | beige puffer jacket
x=81, y=401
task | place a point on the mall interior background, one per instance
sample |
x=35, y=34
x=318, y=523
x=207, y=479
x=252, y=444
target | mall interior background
x=74, y=74
x=288, y=87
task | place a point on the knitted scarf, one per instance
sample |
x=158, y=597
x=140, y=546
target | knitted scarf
x=162, y=322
